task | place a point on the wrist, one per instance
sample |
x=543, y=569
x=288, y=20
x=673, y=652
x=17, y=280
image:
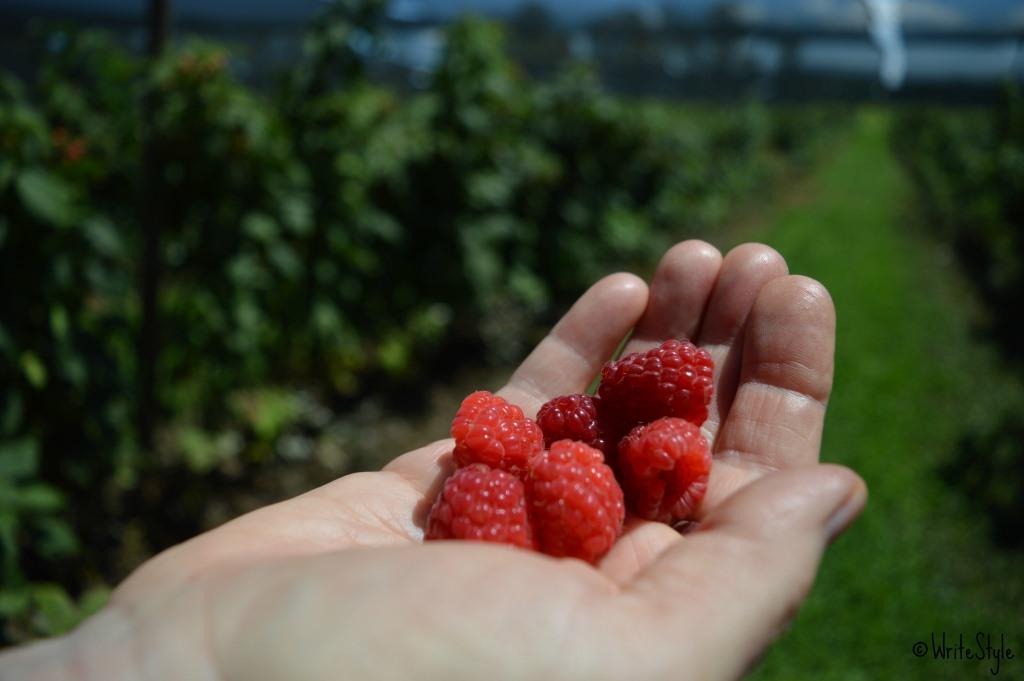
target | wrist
x=47, y=660
x=98, y=649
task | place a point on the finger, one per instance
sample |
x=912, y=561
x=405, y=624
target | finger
x=422, y=468
x=642, y=541
x=778, y=413
x=680, y=289
x=745, y=271
x=569, y=358
x=729, y=588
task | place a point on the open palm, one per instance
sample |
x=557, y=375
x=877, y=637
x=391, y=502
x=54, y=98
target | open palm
x=336, y=584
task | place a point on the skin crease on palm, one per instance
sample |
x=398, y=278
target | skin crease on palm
x=336, y=583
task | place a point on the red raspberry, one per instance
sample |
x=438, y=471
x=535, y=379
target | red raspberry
x=673, y=379
x=489, y=430
x=572, y=417
x=482, y=504
x=575, y=502
x=665, y=467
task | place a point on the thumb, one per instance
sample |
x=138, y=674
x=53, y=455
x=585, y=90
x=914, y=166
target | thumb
x=730, y=588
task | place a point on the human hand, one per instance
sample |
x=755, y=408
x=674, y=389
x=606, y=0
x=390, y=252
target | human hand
x=335, y=583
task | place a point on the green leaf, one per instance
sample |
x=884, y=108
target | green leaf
x=198, y=449
x=93, y=599
x=6, y=173
x=394, y=354
x=286, y=260
x=260, y=227
x=57, y=611
x=268, y=411
x=14, y=601
x=11, y=413
x=297, y=215
x=203, y=450
x=246, y=271
x=9, y=542
x=528, y=288
x=59, y=321
x=6, y=344
x=18, y=458
x=73, y=368
x=36, y=497
x=47, y=197
x=56, y=538
x=35, y=370
x=103, y=236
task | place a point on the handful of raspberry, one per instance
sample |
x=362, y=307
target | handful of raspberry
x=561, y=484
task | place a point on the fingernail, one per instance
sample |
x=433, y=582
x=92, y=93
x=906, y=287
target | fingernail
x=685, y=526
x=847, y=510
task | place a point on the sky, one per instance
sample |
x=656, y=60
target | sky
x=926, y=13
x=944, y=14
x=925, y=62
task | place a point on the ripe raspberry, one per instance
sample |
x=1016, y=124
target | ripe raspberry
x=572, y=417
x=482, y=504
x=489, y=430
x=664, y=467
x=575, y=502
x=673, y=379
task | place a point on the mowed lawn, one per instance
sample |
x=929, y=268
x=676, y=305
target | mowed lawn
x=911, y=377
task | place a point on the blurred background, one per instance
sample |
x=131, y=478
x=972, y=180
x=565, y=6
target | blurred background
x=248, y=247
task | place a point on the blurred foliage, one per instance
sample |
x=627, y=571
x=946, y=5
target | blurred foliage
x=968, y=169
x=989, y=469
x=322, y=242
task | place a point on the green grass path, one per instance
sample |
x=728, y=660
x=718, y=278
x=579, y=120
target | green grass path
x=918, y=561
